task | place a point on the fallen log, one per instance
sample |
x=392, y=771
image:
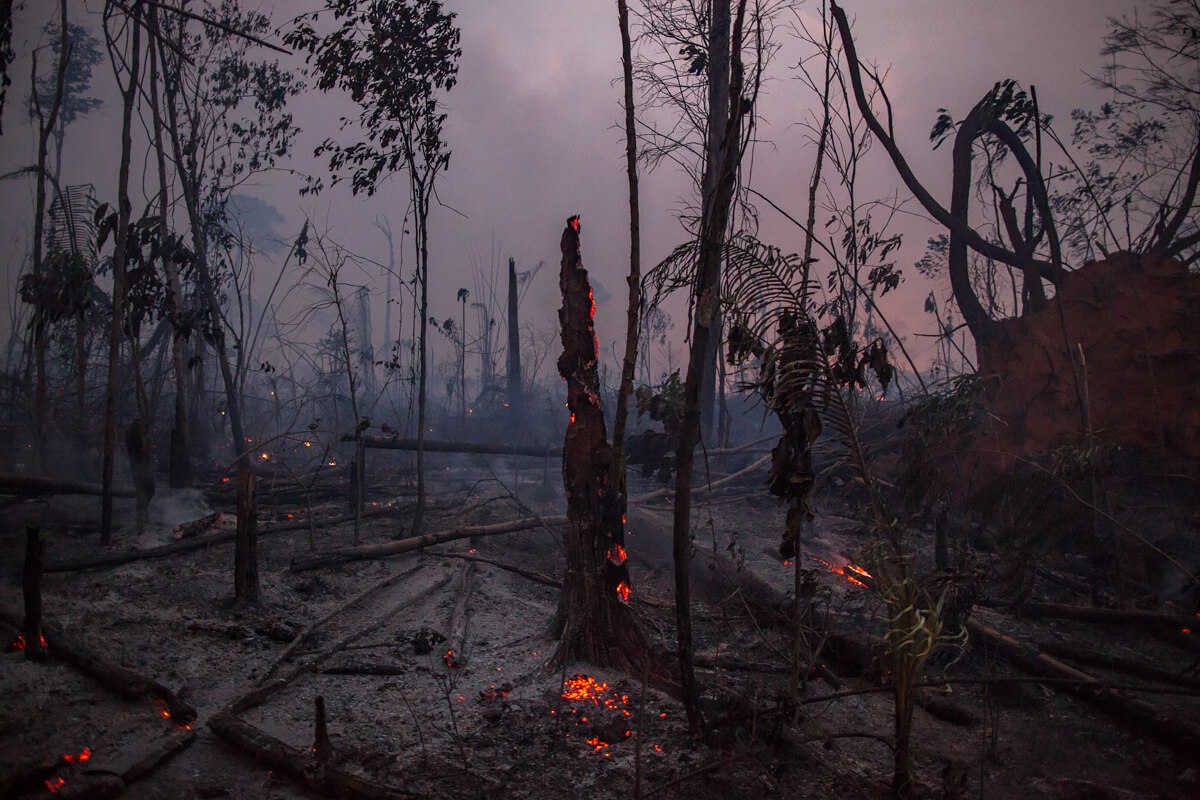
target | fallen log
x=189, y=529
x=296, y=763
x=707, y=487
x=1127, y=665
x=536, y=577
x=1181, y=736
x=257, y=696
x=456, y=653
x=200, y=542
x=476, y=448
x=164, y=751
x=304, y=634
x=365, y=669
x=33, y=486
x=121, y=680
x=366, y=552
x=1104, y=616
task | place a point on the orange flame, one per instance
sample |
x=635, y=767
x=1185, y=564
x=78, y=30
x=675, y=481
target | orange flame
x=616, y=554
x=623, y=591
x=55, y=783
x=592, y=299
x=572, y=419
x=848, y=572
x=574, y=223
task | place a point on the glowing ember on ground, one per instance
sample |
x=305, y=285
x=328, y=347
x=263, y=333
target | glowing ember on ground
x=848, y=572
x=74, y=758
x=596, y=743
x=582, y=687
x=448, y=659
x=55, y=783
x=623, y=591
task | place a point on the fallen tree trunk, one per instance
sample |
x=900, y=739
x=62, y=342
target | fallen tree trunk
x=1178, y=735
x=370, y=551
x=667, y=490
x=536, y=577
x=1104, y=616
x=166, y=550
x=121, y=680
x=295, y=763
x=1127, y=665
x=189, y=529
x=36, y=485
x=479, y=448
x=456, y=653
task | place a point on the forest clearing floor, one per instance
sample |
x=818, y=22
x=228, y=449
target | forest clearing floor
x=492, y=721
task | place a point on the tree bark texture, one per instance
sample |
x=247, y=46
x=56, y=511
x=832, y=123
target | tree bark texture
x=593, y=622
x=725, y=113
x=245, y=559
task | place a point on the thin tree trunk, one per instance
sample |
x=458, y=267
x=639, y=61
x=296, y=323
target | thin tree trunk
x=514, y=349
x=422, y=205
x=633, y=310
x=191, y=197
x=128, y=97
x=46, y=128
x=180, y=471
x=720, y=173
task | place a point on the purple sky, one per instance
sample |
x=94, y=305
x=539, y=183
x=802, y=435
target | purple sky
x=534, y=128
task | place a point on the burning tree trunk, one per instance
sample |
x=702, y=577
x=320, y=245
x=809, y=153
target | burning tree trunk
x=593, y=621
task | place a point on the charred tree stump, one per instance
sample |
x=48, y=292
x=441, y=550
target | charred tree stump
x=593, y=622
x=35, y=559
x=322, y=749
x=245, y=559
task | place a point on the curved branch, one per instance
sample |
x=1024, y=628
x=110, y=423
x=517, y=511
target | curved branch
x=956, y=225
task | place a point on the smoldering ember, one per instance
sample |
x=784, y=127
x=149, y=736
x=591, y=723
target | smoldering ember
x=841, y=460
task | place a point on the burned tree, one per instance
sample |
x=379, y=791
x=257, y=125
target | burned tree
x=514, y=345
x=593, y=621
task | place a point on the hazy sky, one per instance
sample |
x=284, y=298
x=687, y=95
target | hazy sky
x=535, y=131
